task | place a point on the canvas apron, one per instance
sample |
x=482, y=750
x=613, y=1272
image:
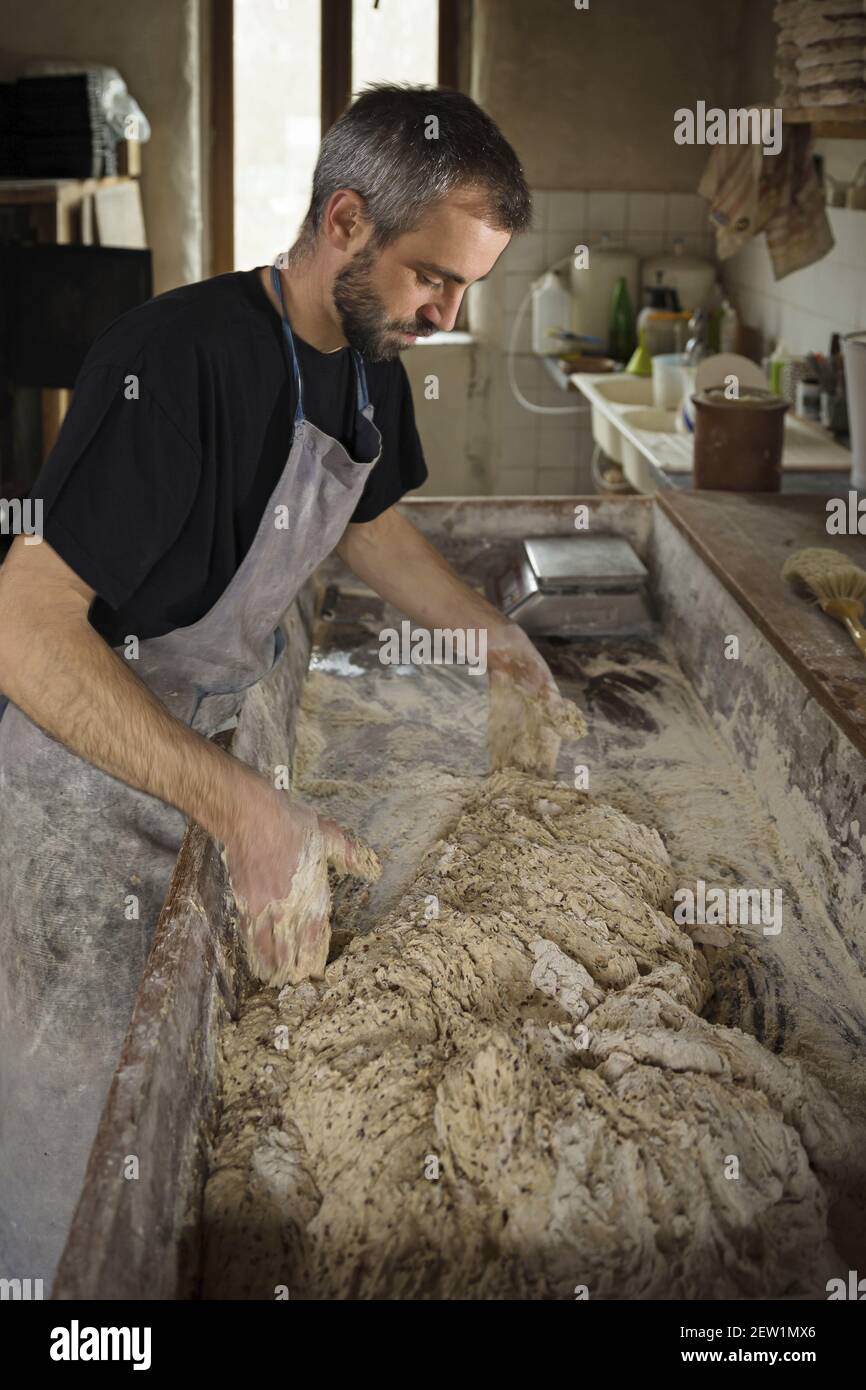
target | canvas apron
x=76, y=846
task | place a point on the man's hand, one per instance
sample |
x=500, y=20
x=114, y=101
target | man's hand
x=528, y=716
x=277, y=860
x=64, y=677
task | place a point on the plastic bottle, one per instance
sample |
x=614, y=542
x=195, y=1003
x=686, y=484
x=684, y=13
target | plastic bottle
x=778, y=359
x=551, y=314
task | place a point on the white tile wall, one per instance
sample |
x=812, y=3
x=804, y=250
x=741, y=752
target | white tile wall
x=805, y=308
x=531, y=454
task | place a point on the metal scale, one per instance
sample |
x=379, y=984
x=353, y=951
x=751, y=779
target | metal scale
x=575, y=586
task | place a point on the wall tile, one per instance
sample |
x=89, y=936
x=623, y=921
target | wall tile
x=560, y=244
x=557, y=481
x=523, y=340
x=509, y=413
x=686, y=213
x=645, y=212
x=605, y=212
x=525, y=252
x=519, y=449
x=838, y=291
x=516, y=286
x=516, y=482
x=540, y=210
x=646, y=243
x=849, y=229
x=566, y=211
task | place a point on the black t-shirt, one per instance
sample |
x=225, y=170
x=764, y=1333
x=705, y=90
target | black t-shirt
x=179, y=429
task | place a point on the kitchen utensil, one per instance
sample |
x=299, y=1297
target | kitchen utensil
x=640, y=363
x=839, y=587
x=668, y=379
x=738, y=441
x=691, y=276
x=715, y=371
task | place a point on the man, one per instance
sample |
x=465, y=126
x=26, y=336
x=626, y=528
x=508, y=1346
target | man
x=219, y=445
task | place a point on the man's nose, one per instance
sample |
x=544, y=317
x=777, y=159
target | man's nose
x=443, y=312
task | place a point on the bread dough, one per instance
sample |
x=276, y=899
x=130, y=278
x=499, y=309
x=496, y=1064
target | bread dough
x=296, y=930
x=526, y=732
x=507, y=1091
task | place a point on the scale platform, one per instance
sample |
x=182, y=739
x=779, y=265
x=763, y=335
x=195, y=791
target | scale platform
x=575, y=586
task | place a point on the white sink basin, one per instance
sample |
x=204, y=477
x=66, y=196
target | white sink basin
x=654, y=419
x=627, y=390
x=621, y=390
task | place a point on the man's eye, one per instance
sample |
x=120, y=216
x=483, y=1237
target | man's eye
x=428, y=284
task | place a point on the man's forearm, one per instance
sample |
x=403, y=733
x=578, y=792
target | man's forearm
x=57, y=669
x=392, y=556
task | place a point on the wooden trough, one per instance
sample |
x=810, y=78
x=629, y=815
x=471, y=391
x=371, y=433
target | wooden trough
x=791, y=711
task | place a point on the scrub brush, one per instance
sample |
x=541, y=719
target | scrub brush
x=839, y=587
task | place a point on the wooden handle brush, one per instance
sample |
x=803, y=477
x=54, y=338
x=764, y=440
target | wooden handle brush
x=839, y=587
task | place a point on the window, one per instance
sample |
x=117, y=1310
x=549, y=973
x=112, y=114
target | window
x=395, y=41
x=282, y=71
x=277, y=123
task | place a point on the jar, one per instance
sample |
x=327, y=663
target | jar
x=739, y=440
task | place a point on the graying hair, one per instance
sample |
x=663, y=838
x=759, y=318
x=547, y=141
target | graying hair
x=381, y=147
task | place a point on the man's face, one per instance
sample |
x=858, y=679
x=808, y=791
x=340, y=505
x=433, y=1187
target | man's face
x=414, y=287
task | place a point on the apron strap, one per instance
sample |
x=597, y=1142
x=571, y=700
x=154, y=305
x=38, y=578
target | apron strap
x=363, y=395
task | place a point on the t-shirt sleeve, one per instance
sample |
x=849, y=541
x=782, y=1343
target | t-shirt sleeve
x=118, y=485
x=401, y=466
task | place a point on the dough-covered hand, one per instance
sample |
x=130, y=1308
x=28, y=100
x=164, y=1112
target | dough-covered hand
x=278, y=872
x=528, y=717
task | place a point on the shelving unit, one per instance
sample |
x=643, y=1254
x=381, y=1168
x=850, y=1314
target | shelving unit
x=829, y=122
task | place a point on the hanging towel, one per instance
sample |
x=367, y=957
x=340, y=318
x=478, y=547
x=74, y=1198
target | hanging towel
x=750, y=192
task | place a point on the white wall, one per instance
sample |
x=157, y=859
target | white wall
x=452, y=423
x=551, y=454
x=805, y=308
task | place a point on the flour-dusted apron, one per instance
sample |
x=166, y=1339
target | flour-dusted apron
x=76, y=846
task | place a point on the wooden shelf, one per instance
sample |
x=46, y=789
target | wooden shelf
x=829, y=122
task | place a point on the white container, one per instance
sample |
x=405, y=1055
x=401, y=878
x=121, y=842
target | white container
x=668, y=379
x=551, y=314
x=854, y=357
x=592, y=288
x=691, y=276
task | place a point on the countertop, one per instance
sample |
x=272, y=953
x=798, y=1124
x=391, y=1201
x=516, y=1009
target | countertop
x=745, y=538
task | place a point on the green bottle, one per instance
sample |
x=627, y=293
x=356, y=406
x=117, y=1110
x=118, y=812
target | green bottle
x=622, y=335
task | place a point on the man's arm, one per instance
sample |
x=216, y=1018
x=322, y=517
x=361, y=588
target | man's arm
x=66, y=679
x=57, y=669
x=528, y=716
x=392, y=556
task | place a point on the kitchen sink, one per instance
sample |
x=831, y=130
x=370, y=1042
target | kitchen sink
x=627, y=390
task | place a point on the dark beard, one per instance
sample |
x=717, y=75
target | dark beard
x=363, y=317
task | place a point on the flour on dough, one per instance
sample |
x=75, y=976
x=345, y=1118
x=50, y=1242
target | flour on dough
x=523, y=732
x=295, y=931
x=519, y=1095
